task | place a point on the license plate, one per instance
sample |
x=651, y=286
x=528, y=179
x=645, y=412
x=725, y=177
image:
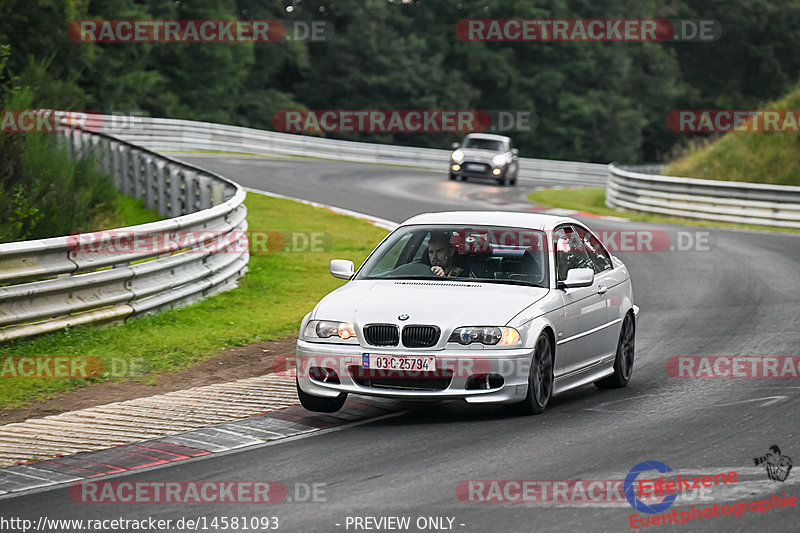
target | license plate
x=399, y=362
x=473, y=166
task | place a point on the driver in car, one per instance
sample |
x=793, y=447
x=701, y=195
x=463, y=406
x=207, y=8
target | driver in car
x=442, y=257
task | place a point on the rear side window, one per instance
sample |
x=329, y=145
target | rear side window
x=601, y=260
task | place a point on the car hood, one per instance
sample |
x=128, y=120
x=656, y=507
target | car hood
x=447, y=304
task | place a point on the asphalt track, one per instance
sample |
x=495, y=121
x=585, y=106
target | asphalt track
x=738, y=296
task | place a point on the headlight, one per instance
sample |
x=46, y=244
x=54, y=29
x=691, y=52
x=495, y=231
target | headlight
x=458, y=156
x=325, y=329
x=486, y=335
x=499, y=160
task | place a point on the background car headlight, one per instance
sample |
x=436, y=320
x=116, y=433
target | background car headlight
x=325, y=329
x=458, y=156
x=499, y=160
x=499, y=336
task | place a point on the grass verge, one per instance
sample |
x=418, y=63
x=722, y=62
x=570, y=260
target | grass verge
x=127, y=212
x=269, y=303
x=593, y=201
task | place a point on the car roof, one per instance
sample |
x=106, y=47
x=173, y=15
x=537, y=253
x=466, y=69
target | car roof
x=488, y=136
x=491, y=218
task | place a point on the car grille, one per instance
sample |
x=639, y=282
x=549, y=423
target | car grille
x=420, y=336
x=397, y=379
x=381, y=334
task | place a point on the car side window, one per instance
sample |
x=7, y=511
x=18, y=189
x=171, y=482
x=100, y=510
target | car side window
x=601, y=260
x=570, y=251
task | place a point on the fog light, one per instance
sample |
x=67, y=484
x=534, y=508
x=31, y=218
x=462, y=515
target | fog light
x=455, y=167
x=484, y=382
x=325, y=375
x=496, y=171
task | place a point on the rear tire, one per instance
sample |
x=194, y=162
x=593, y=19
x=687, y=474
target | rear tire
x=318, y=404
x=623, y=363
x=540, y=380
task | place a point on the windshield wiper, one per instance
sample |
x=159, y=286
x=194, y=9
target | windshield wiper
x=509, y=282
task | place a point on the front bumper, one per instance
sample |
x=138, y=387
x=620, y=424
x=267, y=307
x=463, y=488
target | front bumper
x=459, y=364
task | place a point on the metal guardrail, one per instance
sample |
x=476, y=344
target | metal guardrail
x=49, y=284
x=632, y=187
x=185, y=135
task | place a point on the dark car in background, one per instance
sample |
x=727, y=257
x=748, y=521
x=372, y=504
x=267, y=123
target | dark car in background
x=484, y=155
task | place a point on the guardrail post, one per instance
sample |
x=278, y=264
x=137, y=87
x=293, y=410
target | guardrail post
x=190, y=190
x=86, y=146
x=217, y=193
x=204, y=185
x=162, y=189
x=137, y=162
x=124, y=171
x=150, y=190
x=175, y=191
x=104, y=147
x=116, y=163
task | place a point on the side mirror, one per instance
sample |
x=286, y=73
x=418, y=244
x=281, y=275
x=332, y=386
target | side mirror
x=342, y=268
x=514, y=152
x=577, y=277
x=455, y=146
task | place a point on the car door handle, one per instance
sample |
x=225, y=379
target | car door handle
x=602, y=289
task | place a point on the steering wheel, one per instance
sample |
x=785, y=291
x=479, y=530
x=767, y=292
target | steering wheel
x=412, y=269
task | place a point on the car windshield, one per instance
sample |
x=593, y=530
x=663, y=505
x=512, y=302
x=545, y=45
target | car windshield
x=483, y=144
x=476, y=253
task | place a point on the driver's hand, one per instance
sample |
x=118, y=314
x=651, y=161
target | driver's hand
x=437, y=270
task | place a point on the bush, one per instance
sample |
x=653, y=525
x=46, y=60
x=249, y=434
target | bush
x=43, y=191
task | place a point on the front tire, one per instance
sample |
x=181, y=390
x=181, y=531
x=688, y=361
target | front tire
x=453, y=176
x=623, y=362
x=318, y=404
x=540, y=379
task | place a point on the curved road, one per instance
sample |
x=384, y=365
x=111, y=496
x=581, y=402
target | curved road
x=737, y=296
